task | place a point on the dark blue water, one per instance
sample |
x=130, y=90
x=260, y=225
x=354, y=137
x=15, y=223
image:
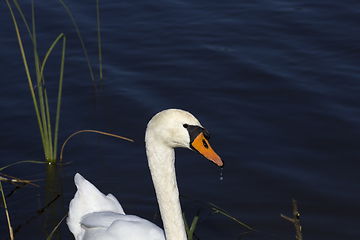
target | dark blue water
x=276, y=84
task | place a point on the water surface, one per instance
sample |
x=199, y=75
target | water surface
x=276, y=84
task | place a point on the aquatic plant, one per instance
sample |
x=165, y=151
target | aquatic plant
x=40, y=100
x=7, y=213
x=82, y=42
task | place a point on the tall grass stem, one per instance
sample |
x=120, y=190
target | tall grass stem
x=59, y=98
x=81, y=41
x=93, y=131
x=7, y=213
x=99, y=38
x=41, y=104
x=25, y=64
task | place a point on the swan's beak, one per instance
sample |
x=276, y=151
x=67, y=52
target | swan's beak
x=202, y=145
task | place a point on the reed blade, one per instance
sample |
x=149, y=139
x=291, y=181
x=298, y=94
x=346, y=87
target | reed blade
x=81, y=40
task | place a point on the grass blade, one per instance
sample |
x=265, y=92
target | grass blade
x=99, y=38
x=26, y=69
x=41, y=104
x=190, y=231
x=41, y=86
x=59, y=97
x=56, y=227
x=194, y=222
x=219, y=210
x=7, y=213
x=25, y=161
x=93, y=131
x=186, y=225
x=81, y=41
x=23, y=17
x=51, y=151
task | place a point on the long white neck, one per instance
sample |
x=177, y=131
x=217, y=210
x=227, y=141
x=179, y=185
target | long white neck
x=161, y=159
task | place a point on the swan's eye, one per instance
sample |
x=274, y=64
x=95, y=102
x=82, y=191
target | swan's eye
x=205, y=144
x=185, y=125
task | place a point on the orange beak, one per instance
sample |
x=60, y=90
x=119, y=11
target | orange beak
x=201, y=145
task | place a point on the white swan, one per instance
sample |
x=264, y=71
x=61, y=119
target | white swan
x=94, y=216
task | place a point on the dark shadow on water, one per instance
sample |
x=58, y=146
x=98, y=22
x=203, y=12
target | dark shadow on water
x=50, y=205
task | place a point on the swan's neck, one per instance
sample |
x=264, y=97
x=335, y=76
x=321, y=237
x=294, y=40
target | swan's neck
x=161, y=160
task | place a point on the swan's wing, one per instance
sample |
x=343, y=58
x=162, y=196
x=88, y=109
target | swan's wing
x=94, y=200
x=89, y=199
x=110, y=225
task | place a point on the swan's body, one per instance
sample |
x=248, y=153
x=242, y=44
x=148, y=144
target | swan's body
x=94, y=216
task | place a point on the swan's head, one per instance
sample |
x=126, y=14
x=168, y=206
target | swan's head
x=178, y=128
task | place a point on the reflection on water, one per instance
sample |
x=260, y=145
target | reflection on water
x=53, y=207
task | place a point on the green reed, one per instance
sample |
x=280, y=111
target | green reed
x=40, y=100
x=7, y=213
x=190, y=231
x=82, y=42
x=99, y=38
x=80, y=38
x=215, y=209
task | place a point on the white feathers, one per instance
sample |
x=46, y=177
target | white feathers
x=94, y=216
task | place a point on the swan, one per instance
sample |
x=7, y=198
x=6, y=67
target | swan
x=95, y=216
